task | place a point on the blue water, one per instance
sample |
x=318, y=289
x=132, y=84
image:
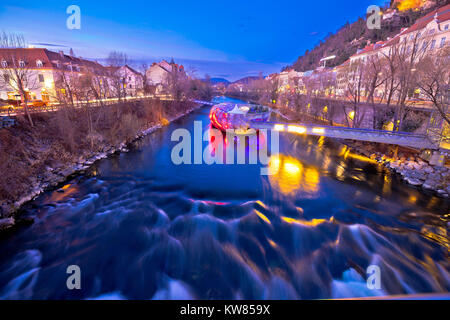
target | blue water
x=140, y=227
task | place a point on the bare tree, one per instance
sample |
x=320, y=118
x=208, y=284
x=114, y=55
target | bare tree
x=373, y=77
x=433, y=79
x=355, y=75
x=176, y=84
x=143, y=69
x=16, y=72
x=65, y=83
x=116, y=60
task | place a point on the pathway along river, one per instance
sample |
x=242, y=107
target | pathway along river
x=140, y=227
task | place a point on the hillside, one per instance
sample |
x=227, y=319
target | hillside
x=353, y=36
x=247, y=80
x=219, y=80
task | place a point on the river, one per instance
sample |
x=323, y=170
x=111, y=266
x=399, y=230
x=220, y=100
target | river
x=140, y=227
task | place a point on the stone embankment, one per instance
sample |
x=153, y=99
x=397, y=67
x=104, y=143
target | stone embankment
x=51, y=178
x=410, y=166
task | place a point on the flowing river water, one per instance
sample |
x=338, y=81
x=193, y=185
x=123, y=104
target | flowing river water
x=141, y=227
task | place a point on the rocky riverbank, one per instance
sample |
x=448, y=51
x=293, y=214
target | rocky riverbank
x=51, y=178
x=413, y=170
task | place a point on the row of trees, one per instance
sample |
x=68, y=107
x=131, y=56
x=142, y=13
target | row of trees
x=407, y=72
x=389, y=81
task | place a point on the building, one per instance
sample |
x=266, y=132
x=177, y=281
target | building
x=131, y=80
x=158, y=74
x=41, y=70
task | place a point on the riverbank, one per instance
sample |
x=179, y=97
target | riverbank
x=64, y=144
x=412, y=168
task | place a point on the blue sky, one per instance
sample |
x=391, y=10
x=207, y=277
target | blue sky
x=230, y=39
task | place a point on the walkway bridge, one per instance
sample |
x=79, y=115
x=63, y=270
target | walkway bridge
x=417, y=141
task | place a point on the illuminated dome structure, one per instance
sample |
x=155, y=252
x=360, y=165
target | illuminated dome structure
x=226, y=116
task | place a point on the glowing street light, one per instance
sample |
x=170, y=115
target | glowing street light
x=351, y=115
x=296, y=129
x=318, y=130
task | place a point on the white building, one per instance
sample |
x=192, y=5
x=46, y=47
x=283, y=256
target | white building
x=132, y=80
x=158, y=73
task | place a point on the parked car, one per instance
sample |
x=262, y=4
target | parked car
x=38, y=103
x=35, y=104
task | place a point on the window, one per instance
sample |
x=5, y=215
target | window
x=431, y=31
x=21, y=63
x=424, y=46
x=433, y=44
x=41, y=78
x=39, y=64
x=4, y=64
x=443, y=41
x=6, y=78
x=446, y=27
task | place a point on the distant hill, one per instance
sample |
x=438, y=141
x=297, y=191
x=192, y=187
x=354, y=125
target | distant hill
x=246, y=80
x=353, y=36
x=219, y=80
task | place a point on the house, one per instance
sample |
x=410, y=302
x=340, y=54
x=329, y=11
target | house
x=131, y=80
x=158, y=74
x=42, y=71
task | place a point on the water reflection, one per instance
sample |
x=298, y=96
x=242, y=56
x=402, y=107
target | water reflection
x=289, y=176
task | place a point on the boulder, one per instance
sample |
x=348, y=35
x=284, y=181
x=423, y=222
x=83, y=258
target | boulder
x=429, y=184
x=428, y=169
x=417, y=166
x=414, y=182
x=6, y=223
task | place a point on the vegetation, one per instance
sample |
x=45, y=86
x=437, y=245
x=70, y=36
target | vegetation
x=353, y=36
x=58, y=139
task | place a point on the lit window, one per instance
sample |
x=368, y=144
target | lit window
x=39, y=64
x=4, y=64
x=443, y=41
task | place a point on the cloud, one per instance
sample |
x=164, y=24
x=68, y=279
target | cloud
x=49, y=45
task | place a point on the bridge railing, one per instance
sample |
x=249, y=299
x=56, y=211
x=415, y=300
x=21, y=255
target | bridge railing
x=408, y=139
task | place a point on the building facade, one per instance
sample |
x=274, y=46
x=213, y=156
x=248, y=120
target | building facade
x=54, y=77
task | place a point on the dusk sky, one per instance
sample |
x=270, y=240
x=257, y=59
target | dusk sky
x=229, y=39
